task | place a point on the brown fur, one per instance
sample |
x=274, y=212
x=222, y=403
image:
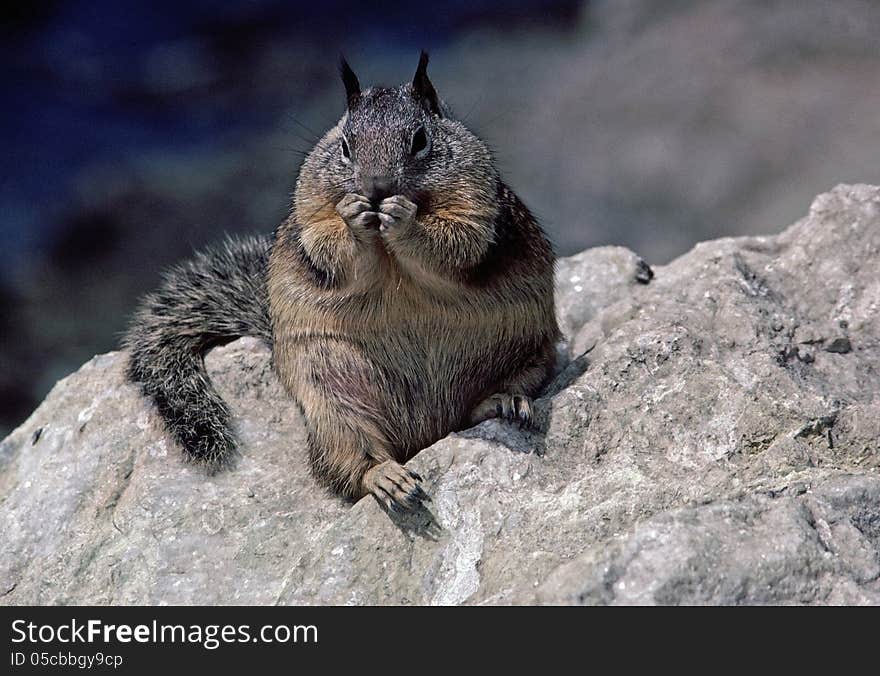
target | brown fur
x=413, y=342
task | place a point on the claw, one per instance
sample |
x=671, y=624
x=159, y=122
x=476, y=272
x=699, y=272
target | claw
x=515, y=408
x=389, y=502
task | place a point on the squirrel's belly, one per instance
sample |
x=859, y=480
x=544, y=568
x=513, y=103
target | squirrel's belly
x=441, y=374
x=417, y=380
x=418, y=383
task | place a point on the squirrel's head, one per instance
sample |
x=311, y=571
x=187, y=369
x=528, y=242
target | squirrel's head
x=387, y=134
x=395, y=140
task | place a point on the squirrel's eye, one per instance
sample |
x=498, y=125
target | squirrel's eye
x=419, y=141
x=346, y=153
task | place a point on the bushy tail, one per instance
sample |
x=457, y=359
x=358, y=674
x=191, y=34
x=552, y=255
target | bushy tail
x=216, y=297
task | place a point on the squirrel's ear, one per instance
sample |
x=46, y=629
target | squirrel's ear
x=423, y=89
x=349, y=79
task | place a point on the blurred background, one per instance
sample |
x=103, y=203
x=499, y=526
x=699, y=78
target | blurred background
x=134, y=132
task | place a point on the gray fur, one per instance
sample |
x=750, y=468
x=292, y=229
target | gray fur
x=216, y=297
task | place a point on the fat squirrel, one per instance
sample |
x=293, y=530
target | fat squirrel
x=408, y=294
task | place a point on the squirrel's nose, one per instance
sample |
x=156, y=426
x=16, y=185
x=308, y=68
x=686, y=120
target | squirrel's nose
x=378, y=187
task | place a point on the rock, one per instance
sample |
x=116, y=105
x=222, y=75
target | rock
x=754, y=549
x=708, y=440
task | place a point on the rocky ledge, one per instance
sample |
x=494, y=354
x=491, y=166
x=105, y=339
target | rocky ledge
x=714, y=438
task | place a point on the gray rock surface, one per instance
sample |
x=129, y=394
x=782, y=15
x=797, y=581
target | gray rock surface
x=713, y=439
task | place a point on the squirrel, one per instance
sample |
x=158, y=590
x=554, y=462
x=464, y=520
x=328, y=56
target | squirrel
x=408, y=294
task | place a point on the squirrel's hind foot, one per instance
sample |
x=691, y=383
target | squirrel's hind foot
x=515, y=408
x=395, y=487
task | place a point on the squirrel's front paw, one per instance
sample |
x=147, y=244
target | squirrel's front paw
x=396, y=213
x=358, y=213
